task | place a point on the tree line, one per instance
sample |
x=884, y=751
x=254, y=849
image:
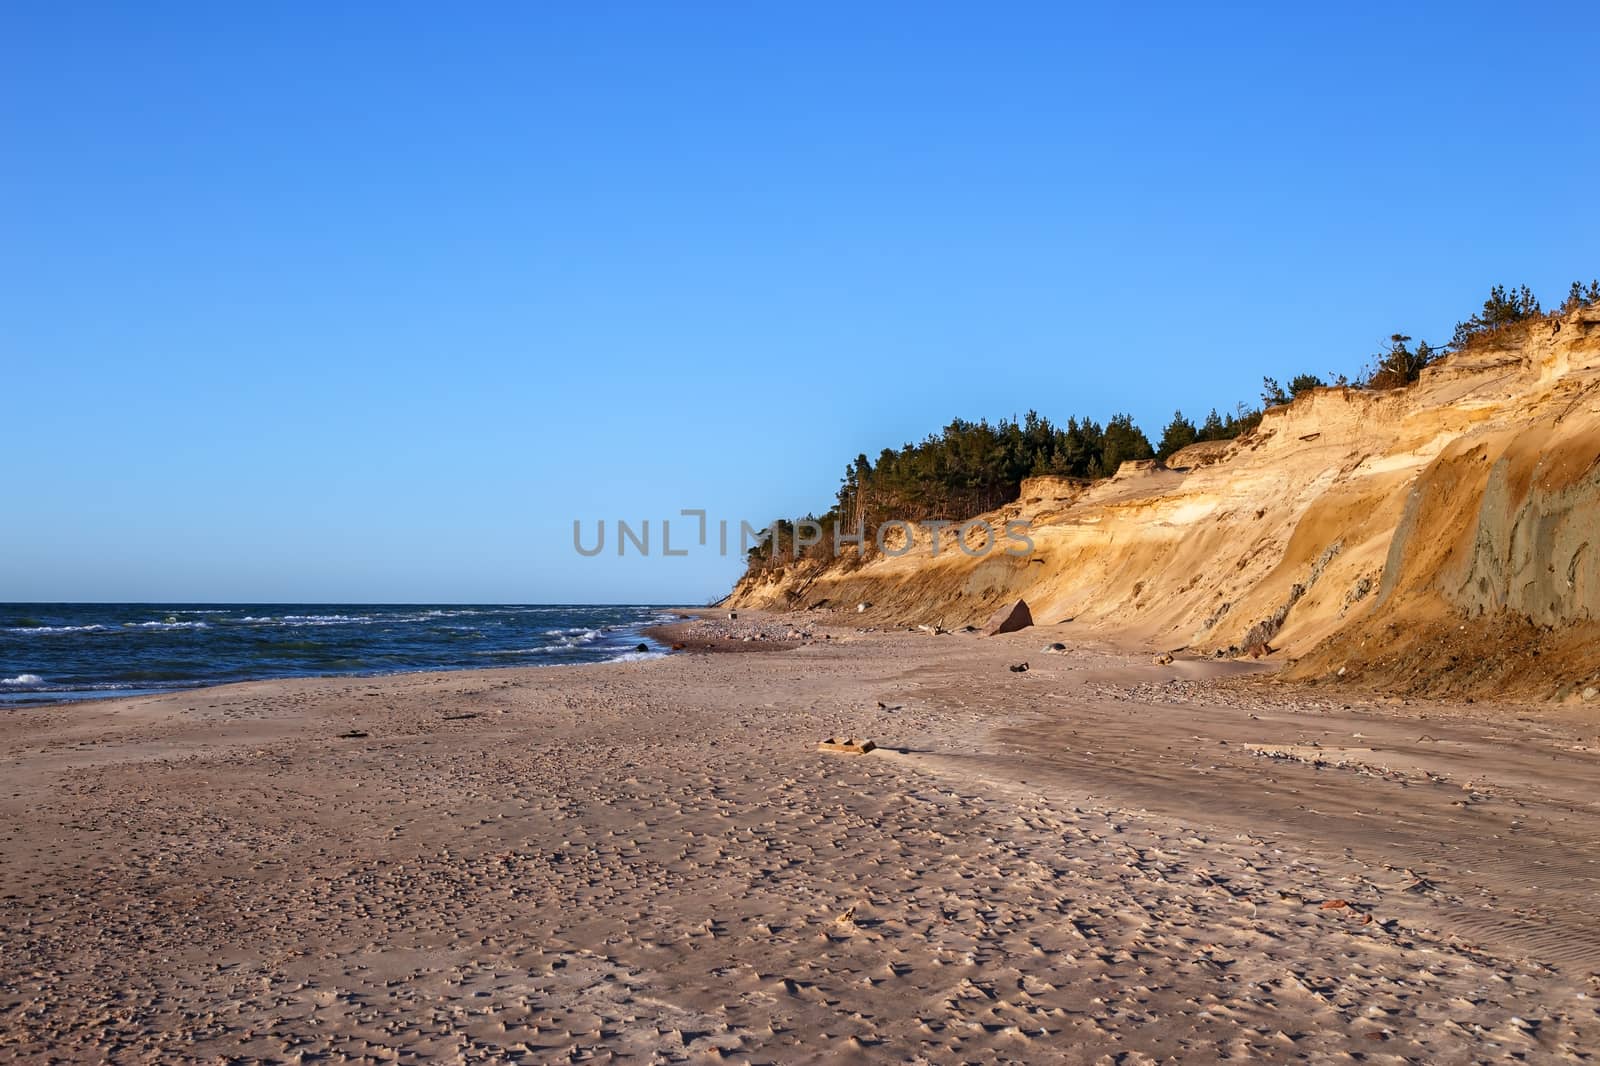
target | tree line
x=969, y=468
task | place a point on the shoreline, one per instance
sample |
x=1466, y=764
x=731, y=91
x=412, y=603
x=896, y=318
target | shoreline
x=532, y=863
x=101, y=690
x=700, y=630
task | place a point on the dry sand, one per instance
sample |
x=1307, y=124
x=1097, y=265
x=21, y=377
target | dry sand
x=1098, y=860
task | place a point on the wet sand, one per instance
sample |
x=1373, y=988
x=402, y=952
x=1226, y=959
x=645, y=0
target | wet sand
x=1098, y=860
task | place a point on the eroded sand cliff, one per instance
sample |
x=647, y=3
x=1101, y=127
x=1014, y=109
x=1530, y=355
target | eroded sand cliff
x=1437, y=538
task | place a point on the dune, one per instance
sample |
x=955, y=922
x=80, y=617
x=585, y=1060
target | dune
x=1433, y=539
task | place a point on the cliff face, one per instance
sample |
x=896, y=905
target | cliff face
x=1378, y=532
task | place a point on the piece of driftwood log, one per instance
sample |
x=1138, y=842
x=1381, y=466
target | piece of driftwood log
x=849, y=745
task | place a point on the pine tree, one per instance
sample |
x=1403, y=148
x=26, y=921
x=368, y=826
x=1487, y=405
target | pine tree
x=1504, y=307
x=1179, y=434
x=1578, y=296
x=1124, y=442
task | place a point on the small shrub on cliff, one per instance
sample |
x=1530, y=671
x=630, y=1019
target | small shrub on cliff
x=1304, y=383
x=1274, y=394
x=1400, y=365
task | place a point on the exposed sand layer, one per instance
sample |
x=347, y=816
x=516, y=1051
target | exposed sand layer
x=1436, y=539
x=1098, y=860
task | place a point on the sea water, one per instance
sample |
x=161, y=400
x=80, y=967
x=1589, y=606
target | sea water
x=56, y=652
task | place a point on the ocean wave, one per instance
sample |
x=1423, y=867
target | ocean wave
x=22, y=679
x=429, y=616
x=575, y=635
x=47, y=630
x=166, y=625
x=326, y=619
x=306, y=620
x=89, y=689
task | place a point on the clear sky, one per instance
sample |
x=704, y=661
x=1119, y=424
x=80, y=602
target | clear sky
x=341, y=302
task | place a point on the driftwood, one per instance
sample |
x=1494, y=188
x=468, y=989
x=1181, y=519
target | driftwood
x=848, y=745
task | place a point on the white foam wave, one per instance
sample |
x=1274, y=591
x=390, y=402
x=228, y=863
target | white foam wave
x=574, y=635
x=543, y=650
x=306, y=620
x=43, y=630
x=636, y=656
x=428, y=616
x=84, y=690
x=166, y=625
x=325, y=619
x=22, y=679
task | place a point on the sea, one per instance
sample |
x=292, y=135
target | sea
x=55, y=652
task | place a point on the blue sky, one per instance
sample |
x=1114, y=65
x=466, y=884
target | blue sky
x=370, y=302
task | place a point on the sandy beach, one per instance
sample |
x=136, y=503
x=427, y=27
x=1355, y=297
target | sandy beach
x=1101, y=859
